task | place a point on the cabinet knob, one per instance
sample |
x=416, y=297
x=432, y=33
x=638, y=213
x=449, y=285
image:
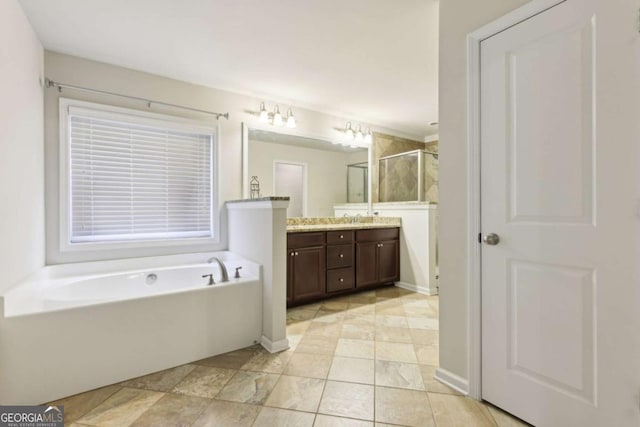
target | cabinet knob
x=381, y=244
x=341, y=279
x=293, y=253
x=297, y=254
x=341, y=255
x=342, y=236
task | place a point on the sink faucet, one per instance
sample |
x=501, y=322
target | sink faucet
x=353, y=219
x=223, y=269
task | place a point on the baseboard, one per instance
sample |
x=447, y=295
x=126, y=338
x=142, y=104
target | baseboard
x=452, y=380
x=274, y=347
x=415, y=288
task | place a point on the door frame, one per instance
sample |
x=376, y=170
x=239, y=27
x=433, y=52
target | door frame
x=474, y=249
x=305, y=168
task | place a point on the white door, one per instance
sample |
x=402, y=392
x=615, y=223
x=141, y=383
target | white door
x=290, y=180
x=559, y=298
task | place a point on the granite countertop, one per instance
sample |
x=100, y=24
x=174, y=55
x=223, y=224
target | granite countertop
x=298, y=225
x=259, y=199
x=334, y=227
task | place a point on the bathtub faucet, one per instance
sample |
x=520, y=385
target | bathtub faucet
x=223, y=269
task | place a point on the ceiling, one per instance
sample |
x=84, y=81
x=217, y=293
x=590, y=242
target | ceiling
x=367, y=60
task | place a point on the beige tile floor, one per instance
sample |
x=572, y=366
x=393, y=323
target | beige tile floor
x=360, y=360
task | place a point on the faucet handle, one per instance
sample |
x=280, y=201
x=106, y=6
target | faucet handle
x=210, y=276
x=237, y=275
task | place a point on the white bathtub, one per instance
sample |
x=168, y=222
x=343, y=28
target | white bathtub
x=75, y=327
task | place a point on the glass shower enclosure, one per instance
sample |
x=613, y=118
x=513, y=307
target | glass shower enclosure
x=357, y=183
x=411, y=176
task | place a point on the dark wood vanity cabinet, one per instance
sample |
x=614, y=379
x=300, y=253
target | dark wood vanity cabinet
x=306, y=266
x=340, y=266
x=322, y=264
x=377, y=257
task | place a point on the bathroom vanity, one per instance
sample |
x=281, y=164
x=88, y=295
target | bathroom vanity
x=324, y=260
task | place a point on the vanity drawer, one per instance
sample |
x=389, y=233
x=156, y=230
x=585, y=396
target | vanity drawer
x=339, y=256
x=340, y=279
x=337, y=237
x=305, y=240
x=378, y=234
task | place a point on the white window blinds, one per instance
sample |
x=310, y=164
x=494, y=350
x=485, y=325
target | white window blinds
x=133, y=181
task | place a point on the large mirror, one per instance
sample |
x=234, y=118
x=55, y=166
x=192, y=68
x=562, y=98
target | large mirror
x=315, y=173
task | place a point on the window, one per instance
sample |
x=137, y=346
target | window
x=131, y=177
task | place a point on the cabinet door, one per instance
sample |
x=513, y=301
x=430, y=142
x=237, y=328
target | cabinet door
x=308, y=272
x=388, y=261
x=366, y=264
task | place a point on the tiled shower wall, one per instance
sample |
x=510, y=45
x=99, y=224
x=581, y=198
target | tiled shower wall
x=403, y=183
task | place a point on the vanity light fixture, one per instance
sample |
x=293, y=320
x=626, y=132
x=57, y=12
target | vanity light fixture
x=357, y=136
x=276, y=118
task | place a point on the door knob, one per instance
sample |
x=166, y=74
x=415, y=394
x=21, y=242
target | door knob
x=491, y=239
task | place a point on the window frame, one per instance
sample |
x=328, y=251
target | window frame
x=68, y=107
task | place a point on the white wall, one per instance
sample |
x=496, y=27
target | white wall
x=326, y=172
x=21, y=147
x=82, y=72
x=457, y=19
x=258, y=231
x=290, y=179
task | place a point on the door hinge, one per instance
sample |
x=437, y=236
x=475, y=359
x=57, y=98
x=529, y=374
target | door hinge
x=479, y=237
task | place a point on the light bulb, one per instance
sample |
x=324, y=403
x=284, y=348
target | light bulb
x=359, y=135
x=349, y=132
x=368, y=138
x=291, y=121
x=350, y=135
x=264, y=116
x=277, y=117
